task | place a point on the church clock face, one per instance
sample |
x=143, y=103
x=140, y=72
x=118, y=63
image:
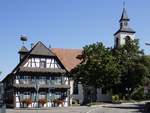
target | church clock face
x=125, y=23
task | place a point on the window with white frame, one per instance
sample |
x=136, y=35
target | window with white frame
x=57, y=95
x=42, y=79
x=56, y=80
x=25, y=79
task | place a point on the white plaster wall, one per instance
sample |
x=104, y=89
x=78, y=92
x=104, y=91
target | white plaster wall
x=80, y=95
x=37, y=60
x=49, y=104
x=17, y=97
x=17, y=100
x=103, y=97
x=66, y=102
x=25, y=65
x=47, y=65
x=98, y=93
x=33, y=104
x=17, y=81
x=71, y=90
x=122, y=36
x=66, y=80
x=17, y=105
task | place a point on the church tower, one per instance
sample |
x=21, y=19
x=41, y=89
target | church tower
x=124, y=32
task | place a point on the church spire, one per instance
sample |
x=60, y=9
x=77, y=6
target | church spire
x=124, y=31
x=124, y=15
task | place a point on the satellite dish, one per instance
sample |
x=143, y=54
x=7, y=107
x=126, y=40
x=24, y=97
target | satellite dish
x=23, y=39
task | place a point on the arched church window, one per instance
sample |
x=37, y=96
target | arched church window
x=117, y=42
x=127, y=39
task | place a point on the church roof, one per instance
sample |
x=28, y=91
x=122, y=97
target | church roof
x=124, y=15
x=124, y=28
x=68, y=57
x=127, y=30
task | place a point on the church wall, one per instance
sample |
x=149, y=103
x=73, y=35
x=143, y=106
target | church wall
x=122, y=37
x=103, y=97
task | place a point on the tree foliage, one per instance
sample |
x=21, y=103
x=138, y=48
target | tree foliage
x=117, y=69
x=98, y=68
x=134, y=72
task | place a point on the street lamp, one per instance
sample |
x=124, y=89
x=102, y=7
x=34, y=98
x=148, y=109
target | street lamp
x=128, y=92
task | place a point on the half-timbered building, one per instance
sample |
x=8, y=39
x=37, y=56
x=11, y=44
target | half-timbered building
x=39, y=80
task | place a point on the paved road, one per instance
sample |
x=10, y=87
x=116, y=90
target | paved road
x=111, y=108
x=122, y=108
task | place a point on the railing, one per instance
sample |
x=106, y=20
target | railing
x=30, y=82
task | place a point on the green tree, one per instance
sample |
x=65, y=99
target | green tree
x=133, y=71
x=145, y=60
x=99, y=68
x=123, y=70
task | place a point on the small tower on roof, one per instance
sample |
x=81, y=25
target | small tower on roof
x=23, y=51
x=124, y=32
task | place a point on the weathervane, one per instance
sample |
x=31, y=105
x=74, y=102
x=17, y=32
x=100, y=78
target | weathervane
x=124, y=4
x=23, y=39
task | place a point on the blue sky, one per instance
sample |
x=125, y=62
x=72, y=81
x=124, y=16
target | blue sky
x=66, y=24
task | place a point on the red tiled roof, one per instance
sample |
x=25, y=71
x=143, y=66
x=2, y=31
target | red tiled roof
x=68, y=57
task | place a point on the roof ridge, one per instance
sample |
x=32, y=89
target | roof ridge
x=68, y=48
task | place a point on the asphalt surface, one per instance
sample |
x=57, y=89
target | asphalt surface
x=121, y=108
x=107, y=108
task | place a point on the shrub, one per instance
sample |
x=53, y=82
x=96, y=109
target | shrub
x=138, y=94
x=115, y=99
